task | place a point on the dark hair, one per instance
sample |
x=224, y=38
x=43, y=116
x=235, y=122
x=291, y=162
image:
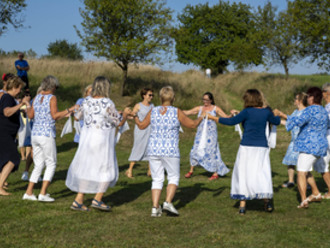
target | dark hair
x=6, y=76
x=253, y=98
x=144, y=91
x=302, y=97
x=316, y=92
x=210, y=95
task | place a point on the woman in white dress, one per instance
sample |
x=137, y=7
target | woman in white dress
x=211, y=160
x=94, y=167
x=141, y=137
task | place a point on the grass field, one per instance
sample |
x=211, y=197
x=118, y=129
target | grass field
x=208, y=217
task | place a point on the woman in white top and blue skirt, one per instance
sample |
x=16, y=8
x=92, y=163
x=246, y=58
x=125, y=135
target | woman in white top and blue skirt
x=163, y=148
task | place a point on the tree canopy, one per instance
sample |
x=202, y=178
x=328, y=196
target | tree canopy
x=63, y=49
x=11, y=14
x=126, y=31
x=213, y=37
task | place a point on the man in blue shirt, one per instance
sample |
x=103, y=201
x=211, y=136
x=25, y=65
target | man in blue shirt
x=22, y=67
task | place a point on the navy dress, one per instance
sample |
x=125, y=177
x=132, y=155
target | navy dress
x=8, y=130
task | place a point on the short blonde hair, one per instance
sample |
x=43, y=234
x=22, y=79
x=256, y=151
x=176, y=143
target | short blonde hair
x=166, y=94
x=101, y=87
x=14, y=82
x=87, y=88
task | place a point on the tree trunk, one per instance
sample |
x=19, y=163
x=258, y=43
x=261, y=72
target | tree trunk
x=124, y=80
x=286, y=69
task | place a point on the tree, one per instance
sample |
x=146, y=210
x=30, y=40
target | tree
x=213, y=37
x=10, y=14
x=312, y=23
x=126, y=31
x=63, y=49
x=281, y=46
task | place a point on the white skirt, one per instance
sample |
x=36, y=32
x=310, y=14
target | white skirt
x=252, y=177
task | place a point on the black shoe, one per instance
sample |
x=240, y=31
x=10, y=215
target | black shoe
x=241, y=210
x=268, y=206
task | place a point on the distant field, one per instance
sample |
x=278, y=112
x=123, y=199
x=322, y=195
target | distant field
x=208, y=217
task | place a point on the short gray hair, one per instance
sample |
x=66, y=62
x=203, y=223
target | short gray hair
x=49, y=83
x=326, y=87
x=101, y=87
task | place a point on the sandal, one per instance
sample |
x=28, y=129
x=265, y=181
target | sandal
x=326, y=196
x=79, y=207
x=314, y=198
x=303, y=204
x=99, y=206
x=214, y=177
x=128, y=174
x=268, y=206
x=189, y=174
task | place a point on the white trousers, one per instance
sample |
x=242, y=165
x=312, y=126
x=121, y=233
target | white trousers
x=158, y=165
x=44, y=154
x=306, y=161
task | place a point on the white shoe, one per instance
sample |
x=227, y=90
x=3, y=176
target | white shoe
x=170, y=208
x=45, y=198
x=156, y=212
x=25, y=176
x=29, y=197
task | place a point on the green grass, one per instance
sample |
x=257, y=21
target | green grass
x=208, y=217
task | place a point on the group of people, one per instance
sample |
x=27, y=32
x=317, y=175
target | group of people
x=94, y=167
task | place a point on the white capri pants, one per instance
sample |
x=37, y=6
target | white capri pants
x=306, y=161
x=157, y=167
x=44, y=154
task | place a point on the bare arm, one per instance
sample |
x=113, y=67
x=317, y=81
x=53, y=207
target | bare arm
x=9, y=111
x=220, y=112
x=145, y=123
x=186, y=121
x=136, y=109
x=56, y=115
x=193, y=111
x=126, y=112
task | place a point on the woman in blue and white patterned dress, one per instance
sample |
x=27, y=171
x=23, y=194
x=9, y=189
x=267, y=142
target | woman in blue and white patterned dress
x=291, y=157
x=45, y=113
x=94, y=167
x=311, y=142
x=211, y=160
x=163, y=148
x=141, y=137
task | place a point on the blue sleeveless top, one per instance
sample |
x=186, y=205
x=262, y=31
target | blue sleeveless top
x=44, y=124
x=164, y=136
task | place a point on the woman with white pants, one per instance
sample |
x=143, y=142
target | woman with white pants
x=163, y=148
x=45, y=113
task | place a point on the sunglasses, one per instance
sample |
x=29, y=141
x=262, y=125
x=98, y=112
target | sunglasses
x=205, y=100
x=150, y=94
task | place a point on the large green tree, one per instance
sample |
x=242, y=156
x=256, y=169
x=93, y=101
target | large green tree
x=215, y=36
x=311, y=20
x=64, y=49
x=126, y=31
x=11, y=14
x=279, y=37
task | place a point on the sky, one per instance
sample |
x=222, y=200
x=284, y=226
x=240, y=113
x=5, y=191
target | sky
x=47, y=21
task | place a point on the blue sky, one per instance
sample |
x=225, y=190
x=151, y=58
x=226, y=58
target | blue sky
x=48, y=20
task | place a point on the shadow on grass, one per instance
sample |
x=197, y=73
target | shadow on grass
x=254, y=205
x=67, y=146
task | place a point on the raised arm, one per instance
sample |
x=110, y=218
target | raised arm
x=230, y=121
x=221, y=113
x=9, y=111
x=126, y=112
x=298, y=121
x=186, y=121
x=136, y=109
x=193, y=111
x=145, y=123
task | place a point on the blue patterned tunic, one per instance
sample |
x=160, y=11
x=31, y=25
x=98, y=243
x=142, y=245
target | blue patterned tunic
x=211, y=161
x=313, y=123
x=291, y=157
x=44, y=124
x=164, y=136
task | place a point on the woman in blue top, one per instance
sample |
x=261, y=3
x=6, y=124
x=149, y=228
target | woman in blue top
x=311, y=142
x=251, y=178
x=163, y=148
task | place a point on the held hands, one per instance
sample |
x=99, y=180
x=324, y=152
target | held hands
x=127, y=111
x=234, y=112
x=26, y=101
x=277, y=113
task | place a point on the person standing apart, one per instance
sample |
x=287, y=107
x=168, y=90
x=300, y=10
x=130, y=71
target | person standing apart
x=45, y=112
x=141, y=137
x=291, y=157
x=163, y=148
x=9, y=125
x=311, y=142
x=252, y=177
x=94, y=167
x=22, y=68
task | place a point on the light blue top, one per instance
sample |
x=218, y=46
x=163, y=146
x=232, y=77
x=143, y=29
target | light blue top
x=44, y=124
x=81, y=122
x=313, y=123
x=164, y=136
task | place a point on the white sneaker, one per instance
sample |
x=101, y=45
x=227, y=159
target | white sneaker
x=170, y=208
x=45, y=198
x=156, y=212
x=29, y=197
x=25, y=176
